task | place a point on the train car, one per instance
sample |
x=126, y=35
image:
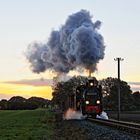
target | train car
x=88, y=98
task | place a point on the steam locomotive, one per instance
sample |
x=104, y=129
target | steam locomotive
x=87, y=98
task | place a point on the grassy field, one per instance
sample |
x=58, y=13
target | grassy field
x=25, y=124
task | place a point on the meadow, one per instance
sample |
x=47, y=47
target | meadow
x=25, y=124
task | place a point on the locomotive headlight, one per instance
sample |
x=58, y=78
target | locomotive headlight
x=91, y=84
x=98, y=101
x=87, y=102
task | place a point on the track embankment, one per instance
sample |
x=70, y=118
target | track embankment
x=87, y=130
x=121, y=125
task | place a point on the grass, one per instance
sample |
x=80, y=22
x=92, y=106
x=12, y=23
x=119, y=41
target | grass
x=25, y=124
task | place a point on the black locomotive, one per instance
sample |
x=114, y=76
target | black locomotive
x=87, y=98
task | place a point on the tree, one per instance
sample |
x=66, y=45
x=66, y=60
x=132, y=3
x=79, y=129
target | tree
x=110, y=92
x=17, y=102
x=64, y=89
x=36, y=102
x=3, y=104
x=136, y=96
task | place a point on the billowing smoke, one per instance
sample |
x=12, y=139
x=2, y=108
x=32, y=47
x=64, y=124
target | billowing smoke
x=76, y=45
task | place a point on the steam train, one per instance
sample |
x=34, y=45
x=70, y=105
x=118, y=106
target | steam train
x=87, y=98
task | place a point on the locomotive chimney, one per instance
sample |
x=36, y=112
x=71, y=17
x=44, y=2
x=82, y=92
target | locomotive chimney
x=89, y=74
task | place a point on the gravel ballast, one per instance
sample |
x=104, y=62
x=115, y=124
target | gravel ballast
x=85, y=130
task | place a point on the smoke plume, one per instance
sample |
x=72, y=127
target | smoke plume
x=76, y=45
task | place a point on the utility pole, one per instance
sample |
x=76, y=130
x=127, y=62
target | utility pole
x=118, y=59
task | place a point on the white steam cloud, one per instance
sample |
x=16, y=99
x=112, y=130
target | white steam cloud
x=71, y=114
x=102, y=116
x=77, y=44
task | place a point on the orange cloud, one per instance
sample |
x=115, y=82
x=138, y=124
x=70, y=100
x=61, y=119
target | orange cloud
x=33, y=82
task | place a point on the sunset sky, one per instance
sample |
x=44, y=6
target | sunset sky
x=26, y=21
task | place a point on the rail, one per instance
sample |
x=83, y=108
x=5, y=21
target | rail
x=121, y=125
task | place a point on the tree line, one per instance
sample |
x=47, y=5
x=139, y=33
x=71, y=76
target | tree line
x=129, y=100
x=18, y=102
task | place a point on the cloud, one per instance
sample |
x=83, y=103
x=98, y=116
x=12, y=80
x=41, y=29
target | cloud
x=135, y=86
x=33, y=82
x=134, y=83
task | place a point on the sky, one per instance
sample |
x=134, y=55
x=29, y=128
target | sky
x=25, y=21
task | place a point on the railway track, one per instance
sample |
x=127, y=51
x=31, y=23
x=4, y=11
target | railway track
x=121, y=125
